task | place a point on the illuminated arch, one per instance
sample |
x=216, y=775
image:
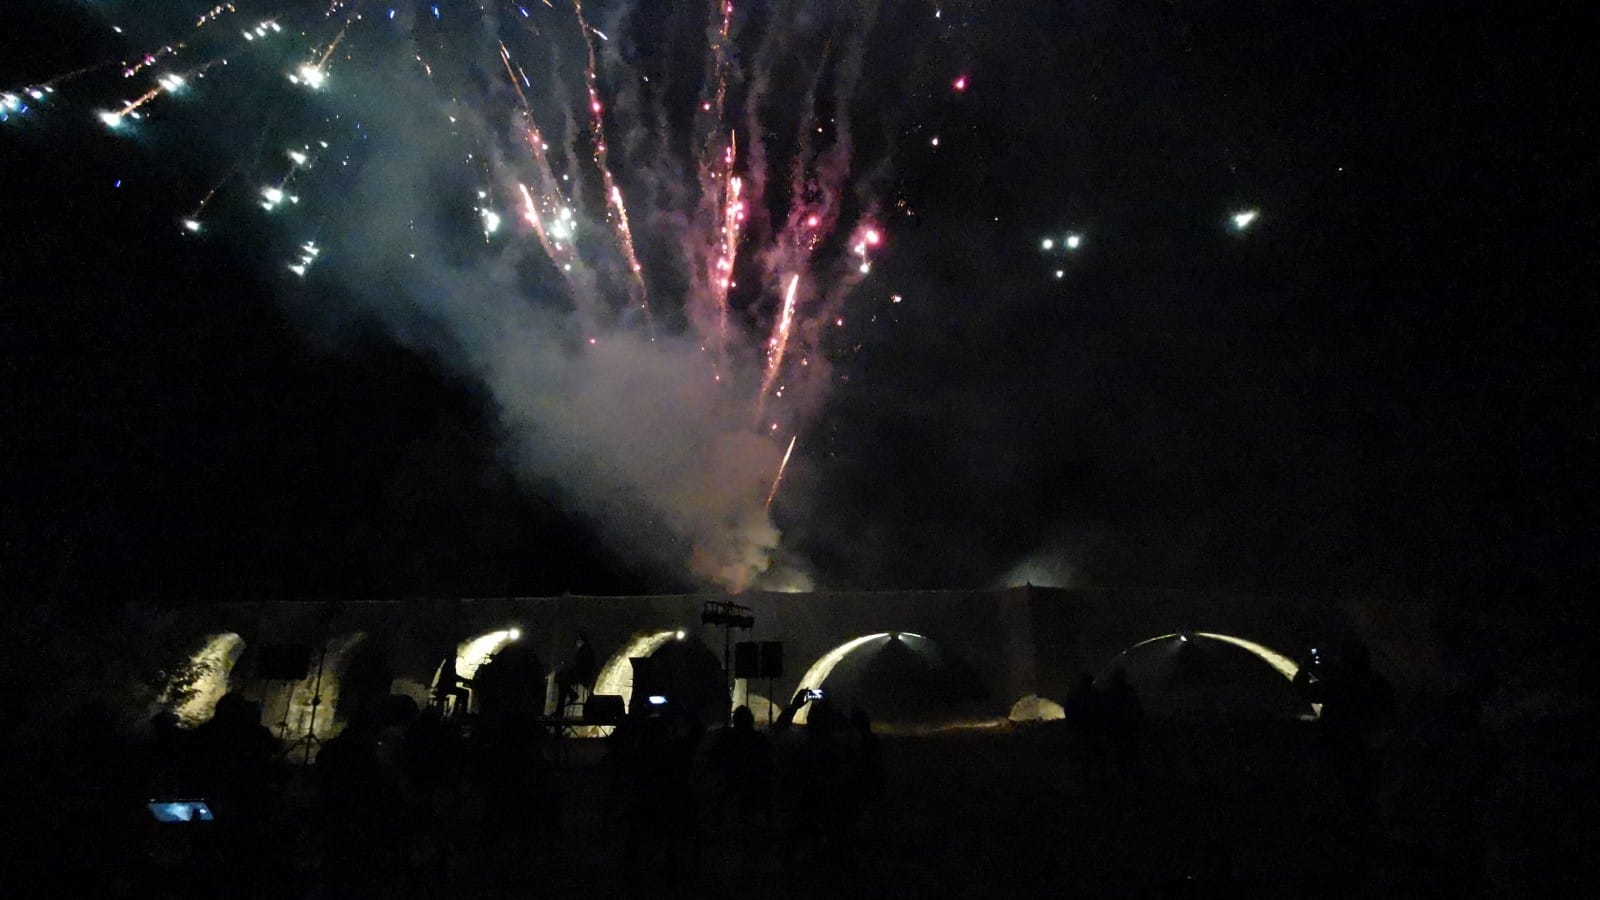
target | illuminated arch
x=207, y=673
x=616, y=676
x=1280, y=663
x=1283, y=664
x=824, y=666
x=470, y=654
x=1034, y=708
x=308, y=708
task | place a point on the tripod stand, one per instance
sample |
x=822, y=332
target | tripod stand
x=310, y=740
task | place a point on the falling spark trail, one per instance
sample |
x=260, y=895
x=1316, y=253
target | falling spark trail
x=722, y=207
x=166, y=84
x=505, y=57
x=616, y=210
x=337, y=40
x=213, y=14
x=732, y=209
x=781, y=467
x=191, y=222
x=778, y=345
x=313, y=75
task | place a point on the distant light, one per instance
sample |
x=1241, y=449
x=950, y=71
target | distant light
x=1184, y=638
x=1073, y=241
x=657, y=700
x=191, y=225
x=515, y=634
x=960, y=84
x=1244, y=218
x=391, y=14
x=297, y=157
x=1061, y=273
x=435, y=12
x=109, y=119
x=865, y=268
x=491, y=221
x=680, y=634
x=170, y=83
x=935, y=141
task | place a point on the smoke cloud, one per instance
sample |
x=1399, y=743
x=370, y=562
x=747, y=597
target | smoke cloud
x=645, y=426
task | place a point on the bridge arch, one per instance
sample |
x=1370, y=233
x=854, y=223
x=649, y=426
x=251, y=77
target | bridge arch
x=471, y=654
x=933, y=683
x=687, y=671
x=475, y=651
x=193, y=691
x=1181, y=642
x=616, y=676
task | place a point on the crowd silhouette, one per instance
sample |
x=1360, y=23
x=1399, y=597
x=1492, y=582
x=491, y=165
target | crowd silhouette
x=451, y=796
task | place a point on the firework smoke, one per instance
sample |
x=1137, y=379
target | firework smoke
x=431, y=111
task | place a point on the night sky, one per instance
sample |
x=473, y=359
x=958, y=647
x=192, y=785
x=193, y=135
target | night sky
x=1383, y=386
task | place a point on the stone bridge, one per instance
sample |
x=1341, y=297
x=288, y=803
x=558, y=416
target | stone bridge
x=1015, y=642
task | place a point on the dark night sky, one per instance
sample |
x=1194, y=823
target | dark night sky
x=1385, y=386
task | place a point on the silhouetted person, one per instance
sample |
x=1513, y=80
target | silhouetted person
x=232, y=753
x=1123, y=717
x=506, y=773
x=359, y=805
x=169, y=745
x=1356, y=702
x=740, y=762
x=231, y=761
x=652, y=778
x=578, y=677
x=816, y=776
x=428, y=761
x=1085, y=729
x=871, y=778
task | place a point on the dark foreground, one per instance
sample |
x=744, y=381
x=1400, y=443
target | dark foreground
x=1221, y=809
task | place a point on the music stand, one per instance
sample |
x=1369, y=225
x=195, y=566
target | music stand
x=311, y=740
